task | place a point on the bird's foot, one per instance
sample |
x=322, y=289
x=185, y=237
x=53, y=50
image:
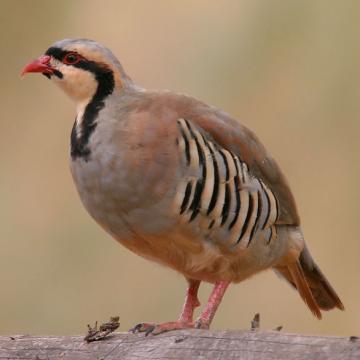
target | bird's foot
x=156, y=329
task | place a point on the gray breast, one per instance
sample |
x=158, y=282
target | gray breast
x=115, y=192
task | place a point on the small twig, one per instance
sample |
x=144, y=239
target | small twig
x=255, y=323
x=95, y=334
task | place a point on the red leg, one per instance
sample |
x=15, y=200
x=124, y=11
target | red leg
x=185, y=320
x=191, y=302
x=204, y=320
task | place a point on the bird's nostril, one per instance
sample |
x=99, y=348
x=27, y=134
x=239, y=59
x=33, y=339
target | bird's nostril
x=45, y=59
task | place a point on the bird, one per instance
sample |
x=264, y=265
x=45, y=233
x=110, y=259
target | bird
x=179, y=182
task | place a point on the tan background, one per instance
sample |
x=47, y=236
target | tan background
x=288, y=69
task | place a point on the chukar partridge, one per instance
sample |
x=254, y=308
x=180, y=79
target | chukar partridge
x=179, y=182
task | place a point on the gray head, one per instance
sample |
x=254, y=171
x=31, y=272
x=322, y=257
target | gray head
x=78, y=66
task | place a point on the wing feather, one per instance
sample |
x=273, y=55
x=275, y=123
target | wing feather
x=239, y=140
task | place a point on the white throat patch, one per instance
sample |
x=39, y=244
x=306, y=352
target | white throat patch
x=80, y=110
x=80, y=85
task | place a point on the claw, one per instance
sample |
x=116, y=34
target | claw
x=135, y=329
x=200, y=324
x=142, y=327
x=150, y=330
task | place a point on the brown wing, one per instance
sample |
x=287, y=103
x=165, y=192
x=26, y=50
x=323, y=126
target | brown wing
x=232, y=136
x=235, y=137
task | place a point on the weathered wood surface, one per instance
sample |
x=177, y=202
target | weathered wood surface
x=187, y=344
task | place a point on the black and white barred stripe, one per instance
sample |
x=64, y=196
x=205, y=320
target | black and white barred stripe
x=219, y=191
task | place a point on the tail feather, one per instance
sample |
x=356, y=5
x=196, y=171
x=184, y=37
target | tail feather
x=302, y=286
x=323, y=292
x=311, y=283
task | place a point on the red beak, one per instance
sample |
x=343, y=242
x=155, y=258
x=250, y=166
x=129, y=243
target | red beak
x=40, y=65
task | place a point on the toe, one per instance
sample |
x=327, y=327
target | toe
x=142, y=327
x=170, y=326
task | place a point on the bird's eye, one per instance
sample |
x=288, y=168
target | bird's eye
x=71, y=58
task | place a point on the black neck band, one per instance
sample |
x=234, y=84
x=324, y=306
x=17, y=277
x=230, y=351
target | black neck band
x=105, y=79
x=79, y=144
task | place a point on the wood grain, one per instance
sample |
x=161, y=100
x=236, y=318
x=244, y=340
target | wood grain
x=187, y=344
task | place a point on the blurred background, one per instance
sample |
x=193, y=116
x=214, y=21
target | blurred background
x=289, y=70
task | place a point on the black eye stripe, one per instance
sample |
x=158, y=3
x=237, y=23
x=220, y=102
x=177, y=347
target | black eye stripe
x=60, y=54
x=88, y=65
x=56, y=53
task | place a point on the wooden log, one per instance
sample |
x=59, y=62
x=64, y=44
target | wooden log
x=185, y=344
